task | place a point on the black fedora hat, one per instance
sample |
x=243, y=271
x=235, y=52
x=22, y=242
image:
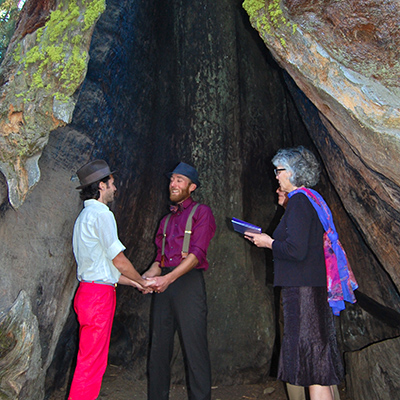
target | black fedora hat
x=186, y=170
x=93, y=172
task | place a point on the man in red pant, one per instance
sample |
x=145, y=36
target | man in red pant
x=101, y=264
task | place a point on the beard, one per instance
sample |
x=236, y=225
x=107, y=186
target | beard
x=180, y=195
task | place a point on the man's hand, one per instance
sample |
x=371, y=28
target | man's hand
x=161, y=283
x=144, y=286
x=147, y=287
x=153, y=271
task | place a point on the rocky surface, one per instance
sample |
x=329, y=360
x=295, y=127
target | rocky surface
x=43, y=68
x=20, y=361
x=380, y=377
x=194, y=82
x=343, y=56
x=118, y=384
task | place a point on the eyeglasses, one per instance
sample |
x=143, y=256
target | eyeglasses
x=278, y=170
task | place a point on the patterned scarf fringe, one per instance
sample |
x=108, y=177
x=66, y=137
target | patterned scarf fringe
x=341, y=282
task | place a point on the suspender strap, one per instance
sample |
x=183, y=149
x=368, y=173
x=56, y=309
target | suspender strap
x=186, y=239
x=188, y=232
x=163, y=241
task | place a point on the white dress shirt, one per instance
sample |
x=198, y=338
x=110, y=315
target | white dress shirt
x=95, y=243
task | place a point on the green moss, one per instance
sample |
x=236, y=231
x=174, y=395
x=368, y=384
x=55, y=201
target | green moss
x=269, y=21
x=37, y=80
x=57, y=59
x=34, y=55
x=74, y=68
x=94, y=10
x=17, y=53
x=252, y=6
x=56, y=54
x=77, y=40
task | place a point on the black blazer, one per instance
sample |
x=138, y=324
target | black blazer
x=298, y=246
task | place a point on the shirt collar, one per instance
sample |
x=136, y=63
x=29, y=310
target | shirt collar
x=94, y=203
x=174, y=208
x=187, y=202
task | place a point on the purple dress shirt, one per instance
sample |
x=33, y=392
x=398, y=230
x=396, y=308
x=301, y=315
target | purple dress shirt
x=203, y=229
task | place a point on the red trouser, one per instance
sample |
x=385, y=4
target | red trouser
x=95, y=306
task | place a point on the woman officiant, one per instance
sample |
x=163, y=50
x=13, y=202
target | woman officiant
x=308, y=264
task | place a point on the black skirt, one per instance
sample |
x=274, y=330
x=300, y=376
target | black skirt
x=309, y=353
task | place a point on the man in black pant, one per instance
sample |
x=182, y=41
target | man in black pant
x=179, y=301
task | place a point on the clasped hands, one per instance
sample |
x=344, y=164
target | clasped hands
x=157, y=283
x=152, y=284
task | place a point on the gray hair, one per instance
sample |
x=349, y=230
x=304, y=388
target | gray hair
x=302, y=163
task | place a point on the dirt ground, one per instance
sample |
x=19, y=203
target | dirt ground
x=118, y=384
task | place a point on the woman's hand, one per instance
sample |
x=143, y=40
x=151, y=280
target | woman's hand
x=259, y=239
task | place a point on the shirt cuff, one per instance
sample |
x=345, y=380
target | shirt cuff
x=199, y=255
x=115, y=249
x=158, y=256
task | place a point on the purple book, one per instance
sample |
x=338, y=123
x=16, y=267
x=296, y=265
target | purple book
x=242, y=226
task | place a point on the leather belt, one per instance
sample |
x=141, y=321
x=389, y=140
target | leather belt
x=101, y=283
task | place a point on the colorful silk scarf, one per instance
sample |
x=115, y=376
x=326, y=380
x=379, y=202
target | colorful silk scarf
x=339, y=276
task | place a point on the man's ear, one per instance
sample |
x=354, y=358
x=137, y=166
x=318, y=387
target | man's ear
x=102, y=186
x=192, y=187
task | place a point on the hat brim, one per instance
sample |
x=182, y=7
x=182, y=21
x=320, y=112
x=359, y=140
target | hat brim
x=98, y=179
x=169, y=174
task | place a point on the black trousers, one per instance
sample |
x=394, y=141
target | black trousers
x=183, y=308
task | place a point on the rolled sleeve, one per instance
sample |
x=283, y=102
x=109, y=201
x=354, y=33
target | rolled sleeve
x=203, y=231
x=108, y=235
x=115, y=249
